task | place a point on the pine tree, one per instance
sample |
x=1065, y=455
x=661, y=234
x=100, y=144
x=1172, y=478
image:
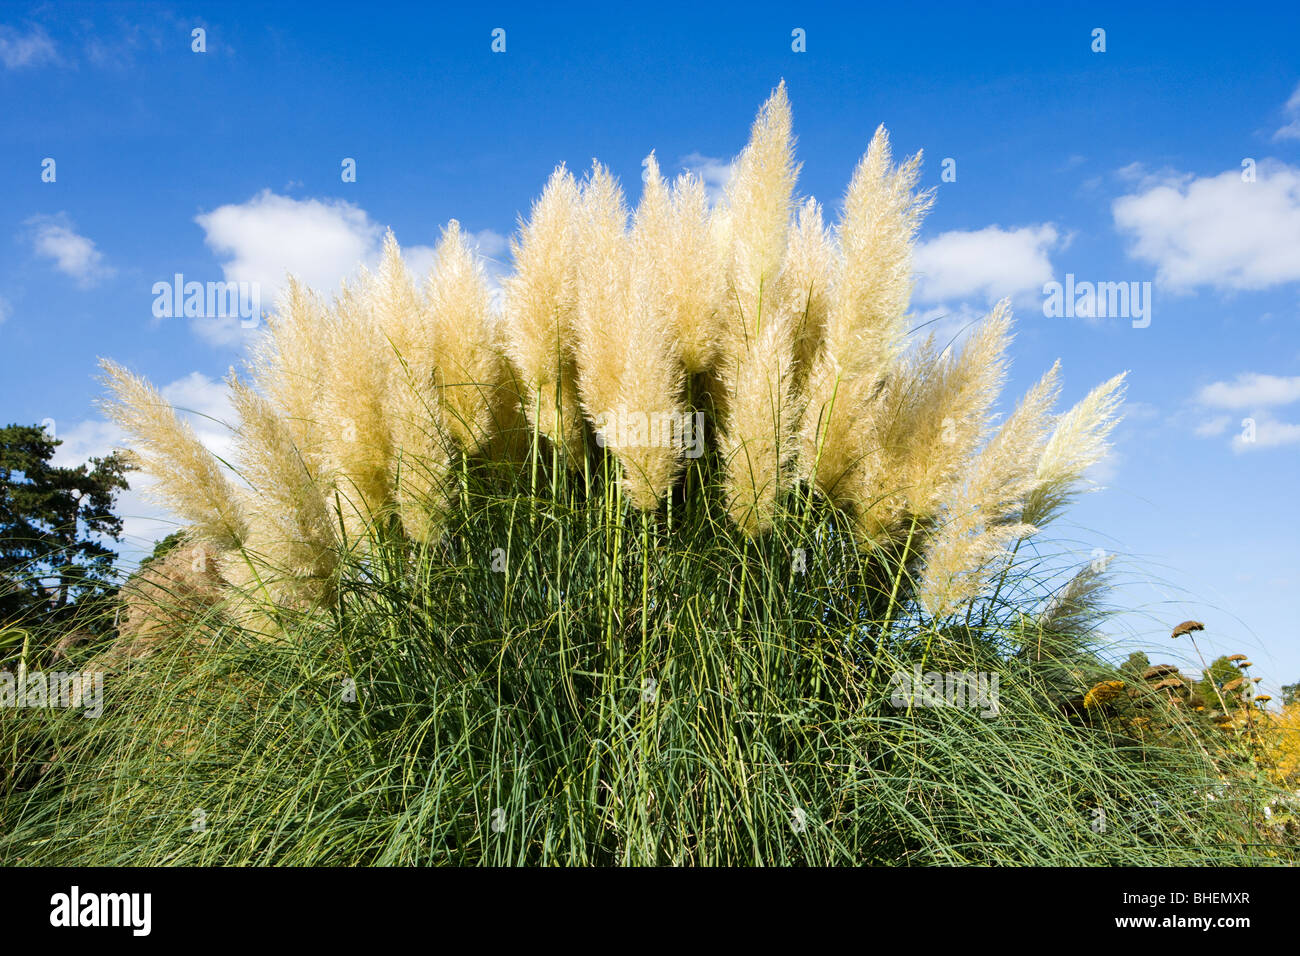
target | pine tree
x=54, y=524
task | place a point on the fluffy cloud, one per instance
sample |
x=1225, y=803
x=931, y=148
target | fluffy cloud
x=1292, y=112
x=6, y=310
x=321, y=242
x=56, y=239
x=1217, y=231
x=985, y=264
x=18, y=50
x=1251, y=390
x=1264, y=431
x=961, y=273
x=114, y=46
x=1213, y=427
x=1253, y=393
x=205, y=403
x=119, y=48
x=491, y=244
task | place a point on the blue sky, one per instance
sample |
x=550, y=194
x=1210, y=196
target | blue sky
x=1117, y=166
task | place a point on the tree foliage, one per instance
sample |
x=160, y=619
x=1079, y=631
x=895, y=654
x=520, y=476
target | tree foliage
x=56, y=523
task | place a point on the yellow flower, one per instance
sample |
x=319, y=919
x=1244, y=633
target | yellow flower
x=1102, y=693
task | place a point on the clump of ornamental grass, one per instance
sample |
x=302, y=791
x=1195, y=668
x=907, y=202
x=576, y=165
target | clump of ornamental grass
x=618, y=328
x=630, y=571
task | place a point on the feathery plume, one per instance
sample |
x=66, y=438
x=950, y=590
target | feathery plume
x=1073, y=605
x=288, y=362
x=422, y=462
x=757, y=442
x=1006, y=500
x=394, y=302
x=1078, y=442
x=948, y=413
x=390, y=435
x=928, y=422
x=865, y=320
x=189, y=477
x=290, y=526
x=758, y=199
x=757, y=360
x=629, y=377
x=983, y=517
x=467, y=364
x=804, y=286
x=355, y=420
x=691, y=270
x=539, y=306
x=882, y=212
x=603, y=282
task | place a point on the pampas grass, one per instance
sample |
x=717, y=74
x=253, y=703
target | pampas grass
x=790, y=335
x=189, y=479
x=540, y=302
x=460, y=566
x=630, y=374
x=865, y=320
x=758, y=345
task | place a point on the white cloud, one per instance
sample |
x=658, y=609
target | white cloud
x=1217, y=230
x=1251, y=390
x=1268, y=433
x=55, y=238
x=205, y=403
x=1292, y=112
x=1250, y=395
x=1213, y=427
x=985, y=264
x=119, y=49
x=490, y=244
x=319, y=241
x=1136, y=411
x=6, y=310
x=93, y=438
x=714, y=172
x=18, y=50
